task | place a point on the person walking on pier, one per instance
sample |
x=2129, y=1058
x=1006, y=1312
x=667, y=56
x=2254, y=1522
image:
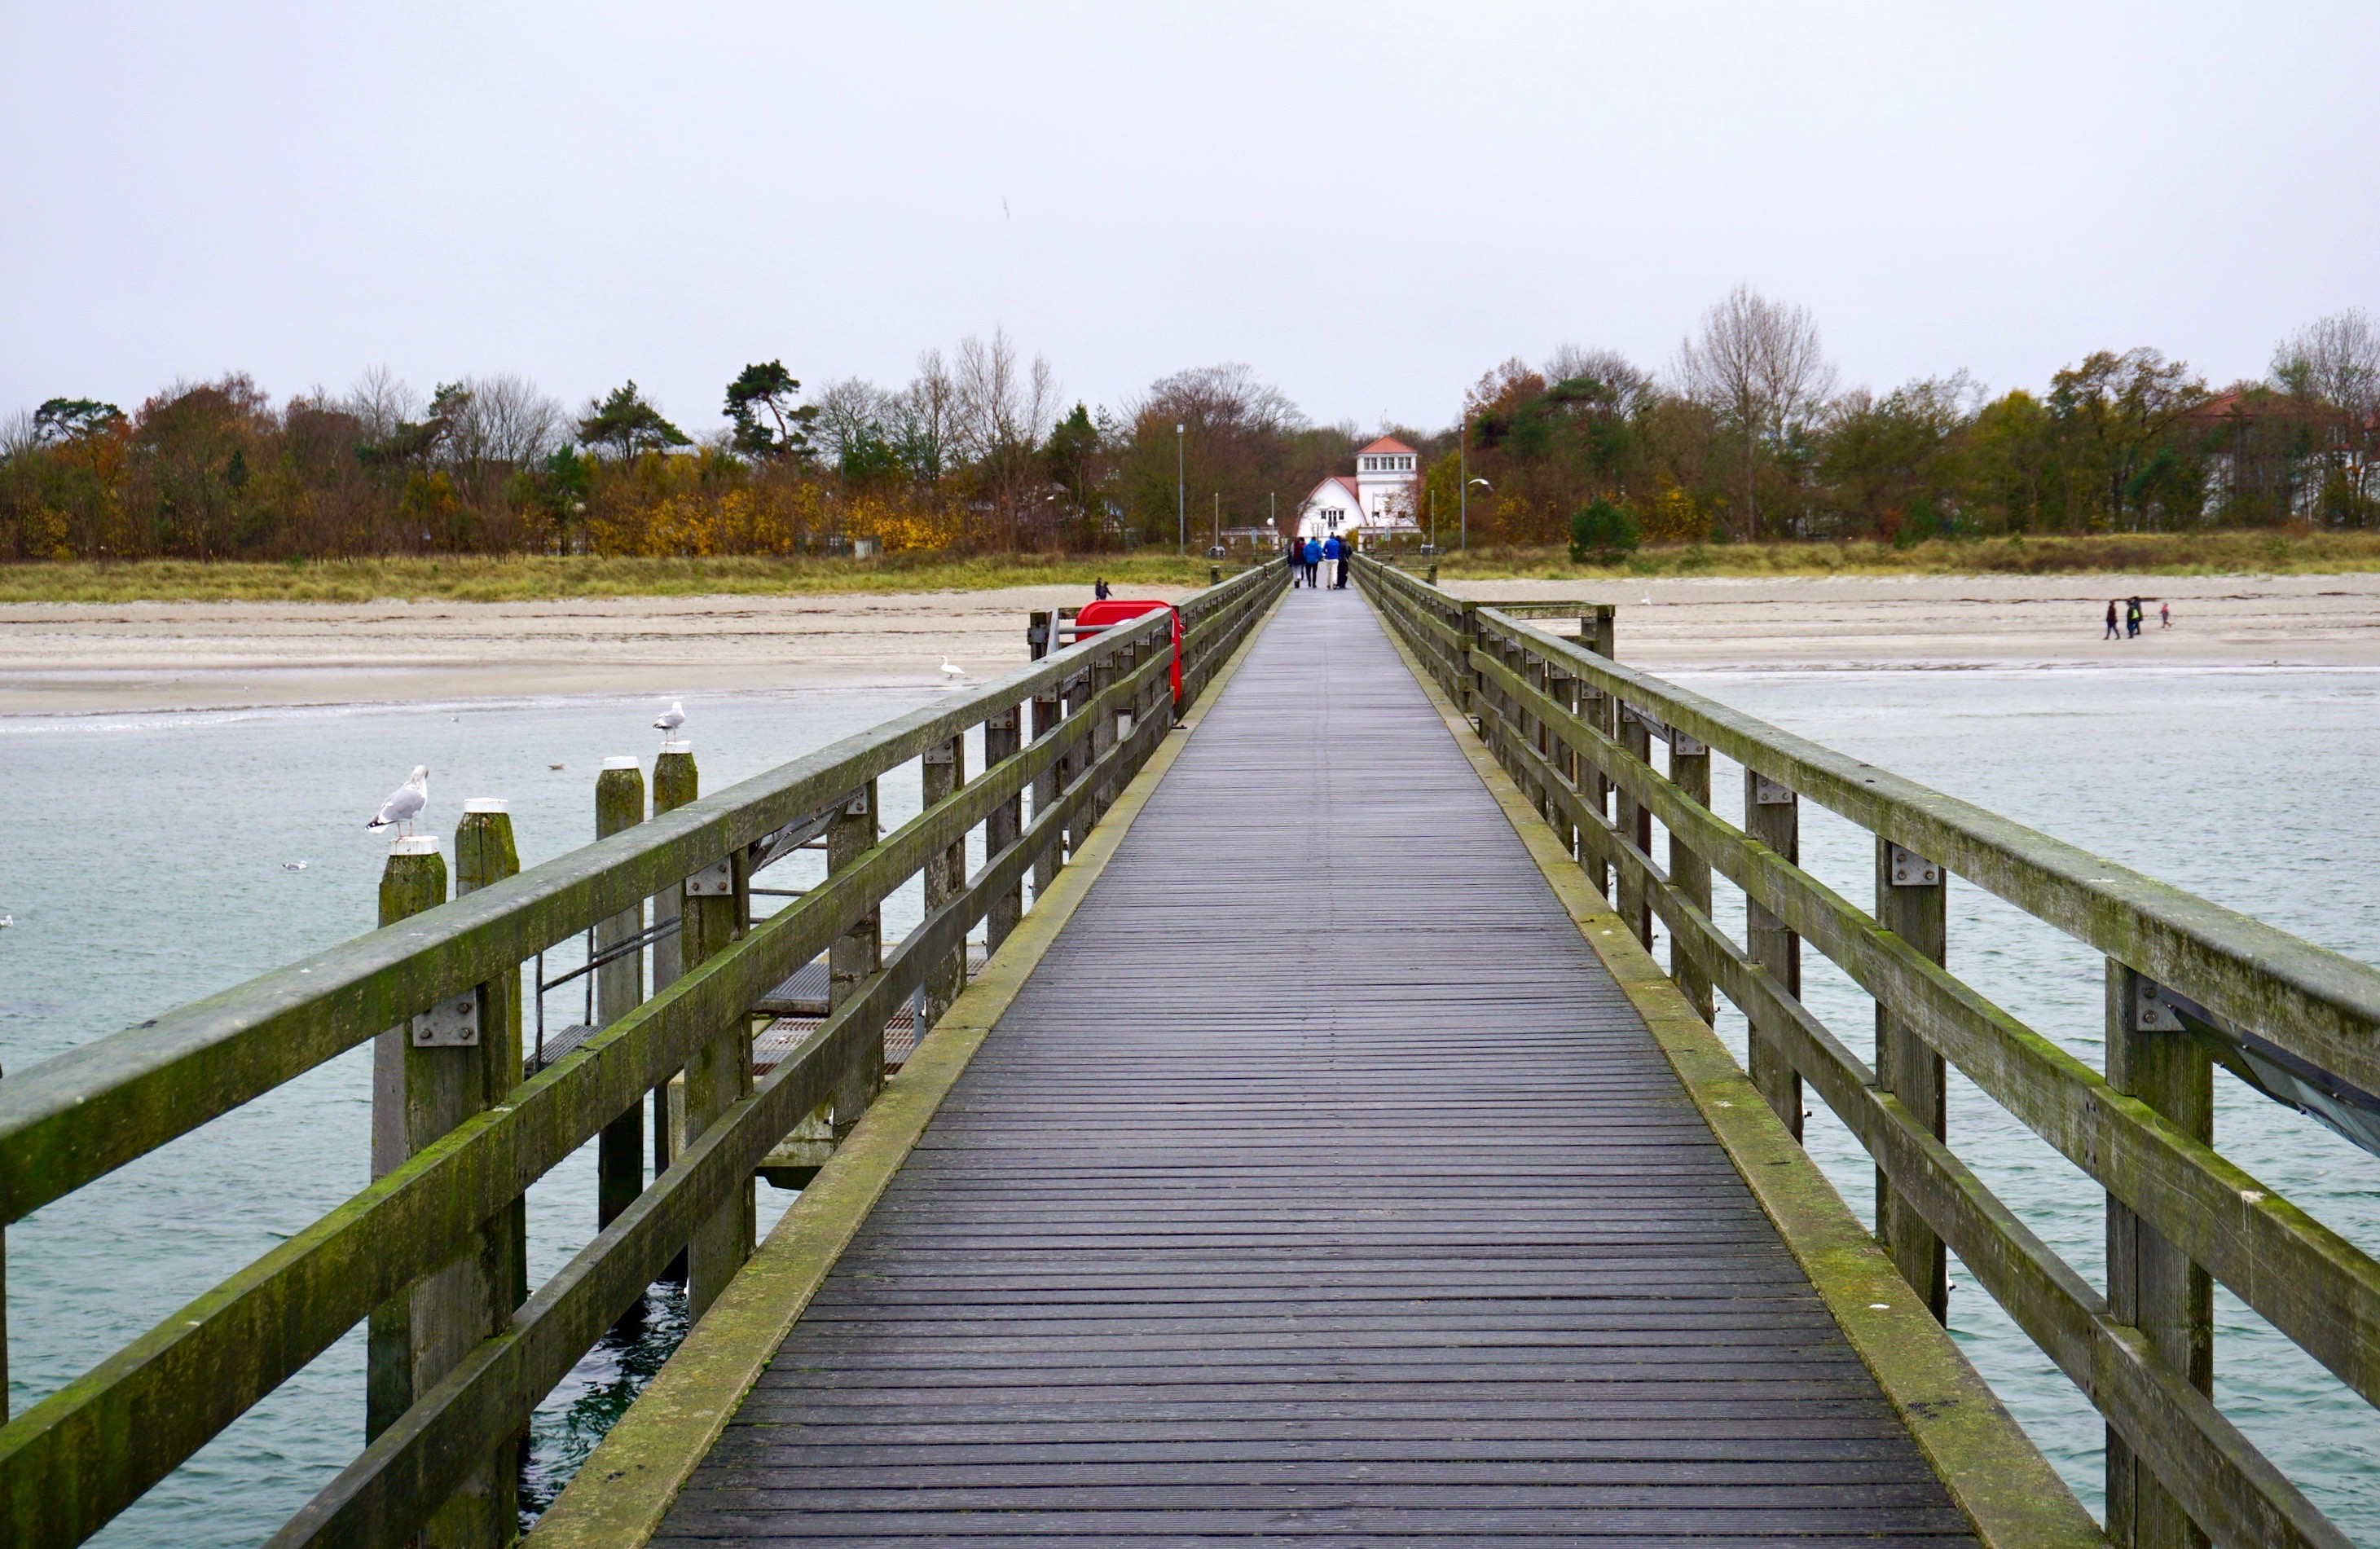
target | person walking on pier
x=1331, y=556
x=1312, y=563
x=1295, y=554
x=2114, y=633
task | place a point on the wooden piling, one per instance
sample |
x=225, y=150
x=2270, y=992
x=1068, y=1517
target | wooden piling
x=1039, y=641
x=1911, y=893
x=1636, y=828
x=1772, y=814
x=943, y=771
x=2152, y=1285
x=412, y=881
x=855, y=954
x=619, y=989
x=1596, y=633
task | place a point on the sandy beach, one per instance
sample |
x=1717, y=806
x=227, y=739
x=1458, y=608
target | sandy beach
x=87, y=658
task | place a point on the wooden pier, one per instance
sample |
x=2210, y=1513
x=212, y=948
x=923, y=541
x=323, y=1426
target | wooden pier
x=1321, y=1157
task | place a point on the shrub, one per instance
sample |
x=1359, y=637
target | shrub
x=1602, y=532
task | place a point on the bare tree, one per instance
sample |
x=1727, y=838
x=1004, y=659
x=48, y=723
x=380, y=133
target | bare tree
x=924, y=417
x=504, y=420
x=1003, y=407
x=1630, y=386
x=2336, y=361
x=382, y=401
x=849, y=412
x=1758, y=365
x=1231, y=398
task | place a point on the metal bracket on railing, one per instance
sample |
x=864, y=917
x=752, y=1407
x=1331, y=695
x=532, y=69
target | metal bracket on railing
x=452, y=1023
x=1680, y=743
x=712, y=882
x=941, y=752
x=856, y=804
x=1909, y=869
x=1767, y=792
x=2150, y=1013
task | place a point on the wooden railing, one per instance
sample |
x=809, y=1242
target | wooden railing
x=2190, y=986
x=431, y=1251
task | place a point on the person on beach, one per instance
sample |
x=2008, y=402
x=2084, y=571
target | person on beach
x=2165, y=615
x=2132, y=620
x=1312, y=563
x=1099, y=588
x=2113, y=632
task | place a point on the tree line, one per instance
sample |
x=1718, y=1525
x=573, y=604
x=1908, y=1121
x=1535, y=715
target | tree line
x=1745, y=436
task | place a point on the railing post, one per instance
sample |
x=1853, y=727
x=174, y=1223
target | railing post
x=1103, y=733
x=1563, y=688
x=719, y=1075
x=1772, y=814
x=2152, y=1285
x=675, y=782
x=1635, y=828
x=471, y=1300
x=1690, y=875
x=855, y=954
x=1007, y=821
x=1540, y=732
x=1910, y=892
x=1595, y=632
x=1039, y=642
x=1471, y=700
x=619, y=989
x=413, y=880
x=943, y=772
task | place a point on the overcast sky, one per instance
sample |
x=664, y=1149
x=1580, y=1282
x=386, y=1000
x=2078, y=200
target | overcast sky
x=1371, y=204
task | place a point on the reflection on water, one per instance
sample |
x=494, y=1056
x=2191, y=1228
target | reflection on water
x=598, y=1390
x=144, y=859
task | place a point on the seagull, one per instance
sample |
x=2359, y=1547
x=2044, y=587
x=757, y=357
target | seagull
x=6, y=920
x=295, y=865
x=952, y=669
x=1648, y=596
x=671, y=719
x=553, y=766
x=403, y=803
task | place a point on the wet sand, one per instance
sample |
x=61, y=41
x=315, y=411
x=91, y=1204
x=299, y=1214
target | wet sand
x=85, y=658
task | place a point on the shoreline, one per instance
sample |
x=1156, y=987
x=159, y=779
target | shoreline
x=87, y=658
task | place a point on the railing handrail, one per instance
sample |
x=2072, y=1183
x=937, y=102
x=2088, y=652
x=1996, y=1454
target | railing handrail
x=2327, y=1008
x=84, y=1112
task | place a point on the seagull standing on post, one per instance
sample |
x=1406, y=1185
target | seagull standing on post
x=403, y=803
x=671, y=719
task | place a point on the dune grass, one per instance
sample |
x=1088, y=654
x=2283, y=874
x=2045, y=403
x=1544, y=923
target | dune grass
x=528, y=578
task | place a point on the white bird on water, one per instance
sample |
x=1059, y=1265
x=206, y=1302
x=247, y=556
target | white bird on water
x=952, y=669
x=671, y=719
x=403, y=803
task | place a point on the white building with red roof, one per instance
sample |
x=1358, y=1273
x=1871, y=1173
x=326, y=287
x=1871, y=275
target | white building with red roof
x=1380, y=497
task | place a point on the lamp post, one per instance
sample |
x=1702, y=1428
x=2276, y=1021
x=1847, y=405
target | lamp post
x=1219, y=524
x=1181, y=497
x=1462, y=498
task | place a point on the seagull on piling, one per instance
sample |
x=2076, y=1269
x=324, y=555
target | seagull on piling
x=403, y=803
x=671, y=719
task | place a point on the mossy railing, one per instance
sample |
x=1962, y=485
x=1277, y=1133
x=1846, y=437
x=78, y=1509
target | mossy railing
x=2189, y=986
x=80, y=1455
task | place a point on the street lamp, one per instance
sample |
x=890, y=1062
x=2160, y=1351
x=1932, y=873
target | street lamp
x=1180, y=498
x=1219, y=524
x=1462, y=496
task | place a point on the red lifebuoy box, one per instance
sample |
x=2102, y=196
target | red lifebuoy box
x=1117, y=610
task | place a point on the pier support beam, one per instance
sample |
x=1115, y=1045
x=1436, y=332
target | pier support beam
x=855, y=954
x=1690, y=771
x=413, y=880
x=719, y=1075
x=1007, y=821
x=945, y=878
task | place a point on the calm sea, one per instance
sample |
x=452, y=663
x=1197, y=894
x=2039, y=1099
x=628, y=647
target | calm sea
x=147, y=861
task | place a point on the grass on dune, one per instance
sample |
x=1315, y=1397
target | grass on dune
x=528, y=577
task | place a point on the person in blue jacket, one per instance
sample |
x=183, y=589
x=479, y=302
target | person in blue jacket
x=1334, y=554
x=1313, y=560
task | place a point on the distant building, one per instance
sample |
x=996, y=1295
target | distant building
x=1379, y=498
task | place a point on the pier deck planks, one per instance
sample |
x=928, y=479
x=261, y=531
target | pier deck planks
x=1319, y=1187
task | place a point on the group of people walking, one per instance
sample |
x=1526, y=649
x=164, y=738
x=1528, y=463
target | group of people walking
x=1307, y=560
x=2132, y=614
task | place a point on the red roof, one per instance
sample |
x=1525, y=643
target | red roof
x=1337, y=479
x=1386, y=444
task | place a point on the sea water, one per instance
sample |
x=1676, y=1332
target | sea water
x=149, y=860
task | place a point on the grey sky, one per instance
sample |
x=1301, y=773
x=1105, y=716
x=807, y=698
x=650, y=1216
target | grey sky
x=1370, y=203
